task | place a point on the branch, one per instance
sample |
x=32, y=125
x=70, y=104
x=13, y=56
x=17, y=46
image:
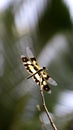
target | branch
x=46, y=110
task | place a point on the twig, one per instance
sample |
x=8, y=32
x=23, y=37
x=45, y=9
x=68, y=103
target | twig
x=46, y=110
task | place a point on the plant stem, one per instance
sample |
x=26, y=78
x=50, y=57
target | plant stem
x=46, y=110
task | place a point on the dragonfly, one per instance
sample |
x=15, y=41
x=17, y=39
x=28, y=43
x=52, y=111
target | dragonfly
x=38, y=73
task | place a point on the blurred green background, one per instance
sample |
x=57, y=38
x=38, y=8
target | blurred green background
x=46, y=26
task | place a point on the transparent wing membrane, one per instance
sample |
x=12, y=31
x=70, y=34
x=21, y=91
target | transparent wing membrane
x=52, y=81
x=29, y=52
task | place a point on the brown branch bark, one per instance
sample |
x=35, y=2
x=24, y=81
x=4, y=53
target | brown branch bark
x=46, y=110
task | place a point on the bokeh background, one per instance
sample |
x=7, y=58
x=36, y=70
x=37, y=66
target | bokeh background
x=46, y=26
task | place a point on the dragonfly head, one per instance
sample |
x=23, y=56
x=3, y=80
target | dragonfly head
x=44, y=68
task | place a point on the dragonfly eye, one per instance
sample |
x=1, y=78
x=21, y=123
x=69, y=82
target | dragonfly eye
x=44, y=68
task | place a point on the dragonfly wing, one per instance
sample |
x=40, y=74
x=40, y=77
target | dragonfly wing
x=41, y=77
x=32, y=58
x=27, y=64
x=44, y=85
x=29, y=52
x=52, y=81
x=48, y=78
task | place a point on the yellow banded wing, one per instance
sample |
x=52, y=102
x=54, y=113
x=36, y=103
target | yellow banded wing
x=39, y=74
x=33, y=69
x=43, y=72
